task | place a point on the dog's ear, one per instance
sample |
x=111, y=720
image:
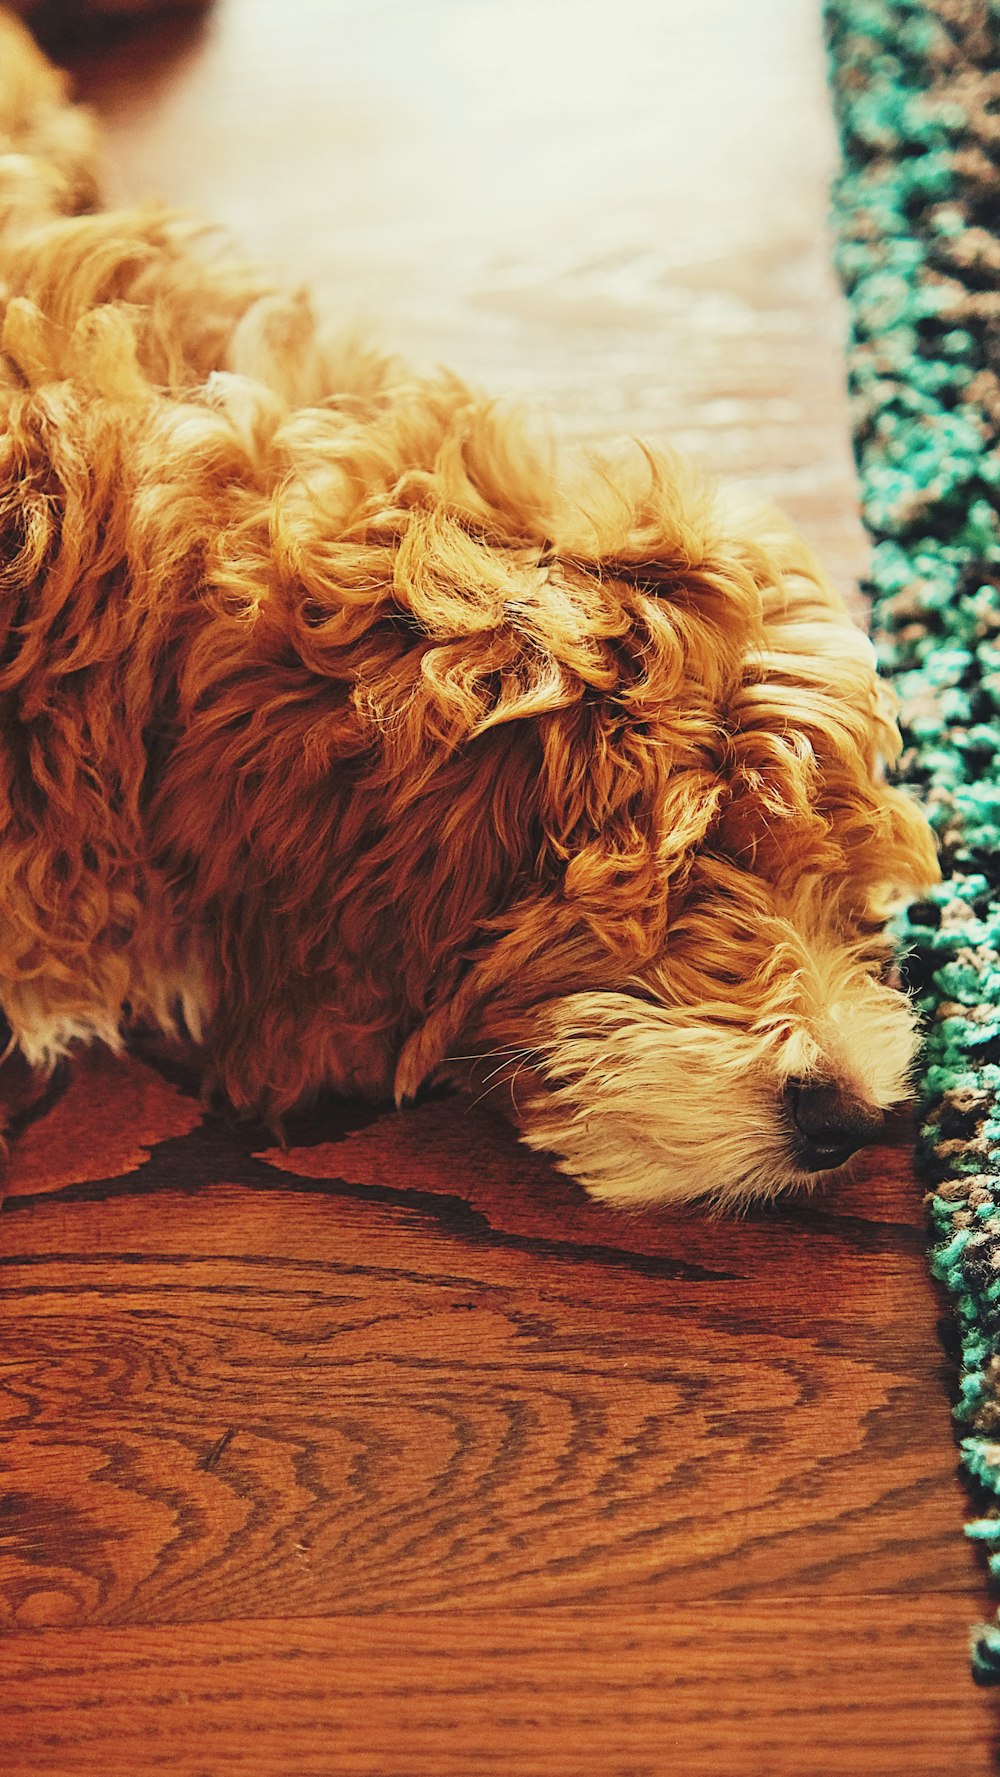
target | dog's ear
x=604, y=767
x=628, y=786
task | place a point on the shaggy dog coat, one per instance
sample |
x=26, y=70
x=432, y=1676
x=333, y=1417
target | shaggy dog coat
x=350, y=731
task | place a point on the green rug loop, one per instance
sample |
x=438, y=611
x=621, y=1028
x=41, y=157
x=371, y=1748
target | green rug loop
x=916, y=88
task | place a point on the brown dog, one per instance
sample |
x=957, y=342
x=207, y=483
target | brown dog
x=352, y=732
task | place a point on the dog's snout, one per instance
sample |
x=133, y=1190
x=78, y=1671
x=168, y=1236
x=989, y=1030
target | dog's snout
x=830, y=1124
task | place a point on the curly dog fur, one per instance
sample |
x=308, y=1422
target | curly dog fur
x=362, y=737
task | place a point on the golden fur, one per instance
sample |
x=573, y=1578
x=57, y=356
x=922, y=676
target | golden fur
x=367, y=740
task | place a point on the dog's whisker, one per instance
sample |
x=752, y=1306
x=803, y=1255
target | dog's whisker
x=522, y=1058
x=485, y=1054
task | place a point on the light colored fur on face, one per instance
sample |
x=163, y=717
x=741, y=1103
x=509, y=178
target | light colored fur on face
x=372, y=741
x=647, y=1102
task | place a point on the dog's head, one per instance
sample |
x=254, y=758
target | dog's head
x=694, y=994
x=763, y=1049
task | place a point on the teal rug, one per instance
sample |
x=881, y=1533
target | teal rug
x=916, y=88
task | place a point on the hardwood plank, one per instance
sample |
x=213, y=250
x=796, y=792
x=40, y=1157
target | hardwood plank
x=420, y=1371
x=770, y=1690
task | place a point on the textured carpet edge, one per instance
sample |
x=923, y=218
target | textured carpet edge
x=916, y=93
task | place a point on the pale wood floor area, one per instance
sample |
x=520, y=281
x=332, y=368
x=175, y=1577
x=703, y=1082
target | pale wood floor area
x=387, y=1455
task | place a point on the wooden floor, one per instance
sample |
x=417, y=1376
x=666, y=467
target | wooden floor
x=388, y=1453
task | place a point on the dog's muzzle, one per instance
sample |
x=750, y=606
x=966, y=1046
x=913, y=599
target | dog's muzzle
x=829, y=1124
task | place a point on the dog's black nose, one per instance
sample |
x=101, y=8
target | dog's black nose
x=830, y=1124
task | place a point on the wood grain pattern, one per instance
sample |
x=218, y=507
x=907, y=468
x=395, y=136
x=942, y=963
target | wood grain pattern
x=394, y=1426
x=442, y=1421
x=703, y=1690
x=388, y=1453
